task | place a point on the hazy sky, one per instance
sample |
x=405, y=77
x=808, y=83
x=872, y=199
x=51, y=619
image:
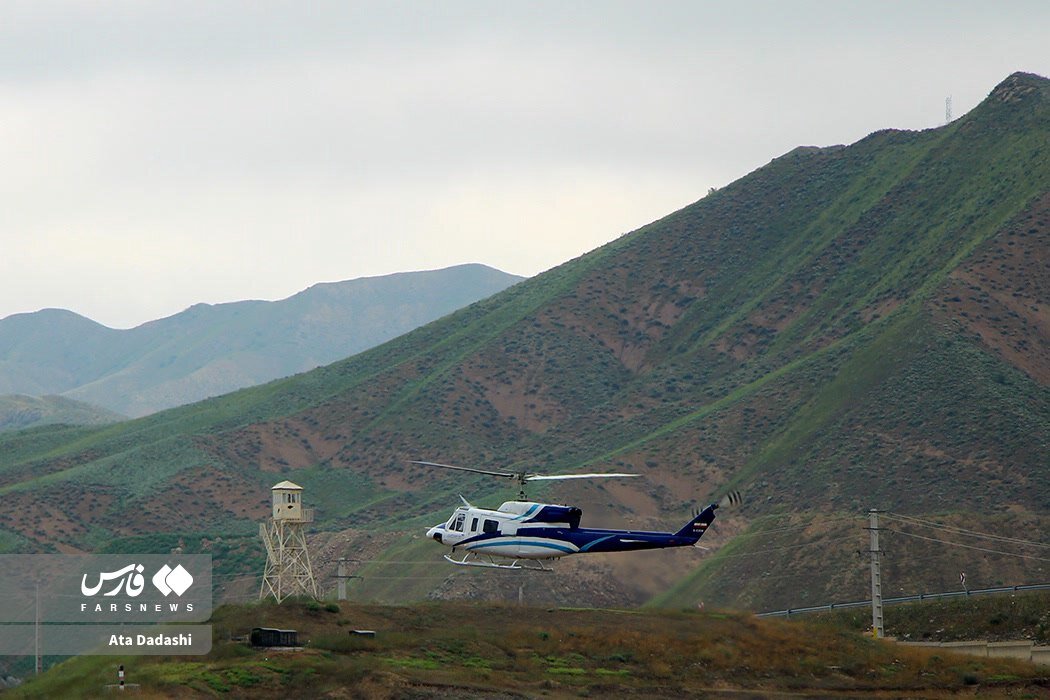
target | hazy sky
x=157, y=154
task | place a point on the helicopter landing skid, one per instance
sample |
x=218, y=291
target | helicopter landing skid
x=489, y=563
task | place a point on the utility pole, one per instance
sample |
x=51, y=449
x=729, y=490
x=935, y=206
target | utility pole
x=948, y=109
x=341, y=585
x=877, y=629
x=343, y=577
x=36, y=631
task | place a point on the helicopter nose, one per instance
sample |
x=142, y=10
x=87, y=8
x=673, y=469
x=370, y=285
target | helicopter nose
x=434, y=533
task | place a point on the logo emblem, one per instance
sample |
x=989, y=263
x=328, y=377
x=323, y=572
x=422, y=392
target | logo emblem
x=168, y=580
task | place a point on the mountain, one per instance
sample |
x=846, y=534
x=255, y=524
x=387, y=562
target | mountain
x=846, y=328
x=210, y=350
x=18, y=412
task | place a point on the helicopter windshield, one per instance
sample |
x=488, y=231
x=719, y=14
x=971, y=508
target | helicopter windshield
x=456, y=522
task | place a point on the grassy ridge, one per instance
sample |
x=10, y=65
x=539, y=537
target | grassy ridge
x=993, y=618
x=19, y=412
x=466, y=651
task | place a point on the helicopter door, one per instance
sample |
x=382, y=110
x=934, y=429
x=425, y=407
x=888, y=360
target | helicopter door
x=474, y=525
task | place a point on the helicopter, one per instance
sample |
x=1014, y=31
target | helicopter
x=528, y=533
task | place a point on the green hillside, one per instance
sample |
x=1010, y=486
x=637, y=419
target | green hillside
x=845, y=328
x=18, y=412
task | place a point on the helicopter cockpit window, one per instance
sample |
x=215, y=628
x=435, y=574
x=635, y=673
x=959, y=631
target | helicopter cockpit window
x=457, y=525
x=491, y=526
x=474, y=525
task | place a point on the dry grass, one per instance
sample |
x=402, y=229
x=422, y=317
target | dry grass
x=442, y=650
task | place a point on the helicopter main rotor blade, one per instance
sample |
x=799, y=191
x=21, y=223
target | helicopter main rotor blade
x=554, y=477
x=508, y=475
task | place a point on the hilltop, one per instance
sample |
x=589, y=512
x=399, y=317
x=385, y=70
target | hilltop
x=843, y=329
x=208, y=349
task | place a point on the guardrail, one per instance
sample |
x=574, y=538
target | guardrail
x=905, y=599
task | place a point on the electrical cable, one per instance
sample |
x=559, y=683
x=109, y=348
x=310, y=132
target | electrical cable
x=790, y=528
x=966, y=546
x=790, y=546
x=962, y=531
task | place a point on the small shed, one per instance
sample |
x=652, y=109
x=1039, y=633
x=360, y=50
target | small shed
x=272, y=637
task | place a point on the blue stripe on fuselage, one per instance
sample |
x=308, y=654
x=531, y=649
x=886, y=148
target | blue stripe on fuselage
x=529, y=512
x=512, y=541
x=590, y=545
x=588, y=540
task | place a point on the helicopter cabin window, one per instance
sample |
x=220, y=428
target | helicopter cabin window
x=474, y=525
x=457, y=525
x=491, y=526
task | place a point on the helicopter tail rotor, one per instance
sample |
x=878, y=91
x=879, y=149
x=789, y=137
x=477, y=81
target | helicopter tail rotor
x=702, y=519
x=733, y=498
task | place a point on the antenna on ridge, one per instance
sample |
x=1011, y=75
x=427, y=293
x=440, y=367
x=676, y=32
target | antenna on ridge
x=948, y=109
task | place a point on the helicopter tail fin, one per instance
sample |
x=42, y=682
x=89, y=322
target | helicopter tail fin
x=696, y=527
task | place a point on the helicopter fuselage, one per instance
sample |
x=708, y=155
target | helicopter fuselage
x=526, y=530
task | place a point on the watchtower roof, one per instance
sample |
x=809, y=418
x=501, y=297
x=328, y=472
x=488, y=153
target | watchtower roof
x=287, y=486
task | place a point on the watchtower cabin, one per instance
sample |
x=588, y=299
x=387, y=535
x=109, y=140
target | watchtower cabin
x=288, y=503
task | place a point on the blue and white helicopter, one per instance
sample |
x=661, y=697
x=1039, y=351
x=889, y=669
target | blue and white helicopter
x=529, y=533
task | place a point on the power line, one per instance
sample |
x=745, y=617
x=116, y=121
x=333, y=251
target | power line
x=962, y=531
x=968, y=546
x=790, y=546
x=794, y=514
x=390, y=561
x=795, y=528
